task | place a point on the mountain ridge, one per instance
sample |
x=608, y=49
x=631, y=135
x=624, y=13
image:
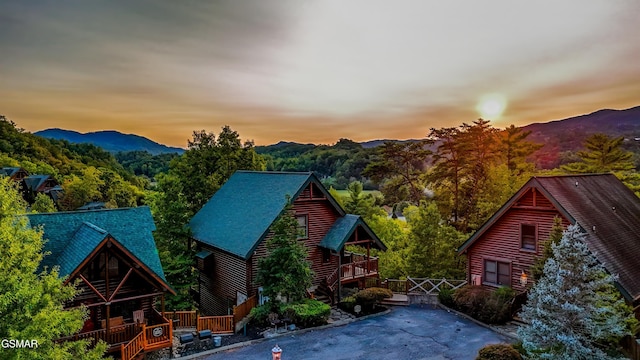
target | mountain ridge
x=110, y=140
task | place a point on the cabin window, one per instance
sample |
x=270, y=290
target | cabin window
x=497, y=273
x=326, y=255
x=113, y=267
x=528, y=237
x=303, y=226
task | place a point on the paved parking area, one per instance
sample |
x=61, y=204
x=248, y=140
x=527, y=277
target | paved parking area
x=414, y=332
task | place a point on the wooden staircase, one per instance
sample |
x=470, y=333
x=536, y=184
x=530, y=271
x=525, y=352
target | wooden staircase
x=324, y=293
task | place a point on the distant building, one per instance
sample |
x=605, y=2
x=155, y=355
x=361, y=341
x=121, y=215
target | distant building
x=14, y=173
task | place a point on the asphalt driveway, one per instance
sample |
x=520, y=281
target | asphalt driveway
x=414, y=332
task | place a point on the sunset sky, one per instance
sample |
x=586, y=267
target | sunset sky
x=313, y=70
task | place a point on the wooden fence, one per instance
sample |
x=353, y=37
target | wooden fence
x=242, y=310
x=217, y=324
x=421, y=286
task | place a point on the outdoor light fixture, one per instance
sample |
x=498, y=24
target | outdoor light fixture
x=523, y=278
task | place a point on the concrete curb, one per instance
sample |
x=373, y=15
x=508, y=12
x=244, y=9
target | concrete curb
x=478, y=322
x=292, y=333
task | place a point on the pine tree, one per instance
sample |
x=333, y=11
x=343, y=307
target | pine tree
x=604, y=154
x=574, y=311
x=285, y=271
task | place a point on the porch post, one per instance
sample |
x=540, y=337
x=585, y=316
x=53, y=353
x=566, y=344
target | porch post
x=368, y=246
x=162, y=304
x=340, y=273
x=107, y=321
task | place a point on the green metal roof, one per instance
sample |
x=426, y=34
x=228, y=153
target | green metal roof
x=71, y=236
x=343, y=228
x=84, y=241
x=239, y=215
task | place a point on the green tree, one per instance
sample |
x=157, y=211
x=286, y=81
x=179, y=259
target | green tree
x=285, y=270
x=515, y=149
x=447, y=172
x=403, y=163
x=43, y=204
x=392, y=263
x=602, y=154
x=574, y=310
x=432, y=244
x=31, y=299
x=360, y=204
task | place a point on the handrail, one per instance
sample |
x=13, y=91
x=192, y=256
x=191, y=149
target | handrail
x=135, y=346
x=242, y=310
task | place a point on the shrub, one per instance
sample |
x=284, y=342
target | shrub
x=368, y=298
x=445, y=297
x=308, y=312
x=498, y=352
x=348, y=303
x=260, y=315
x=484, y=305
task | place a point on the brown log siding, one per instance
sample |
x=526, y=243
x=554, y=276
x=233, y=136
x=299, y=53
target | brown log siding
x=218, y=287
x=321, y=215
x=502, y=240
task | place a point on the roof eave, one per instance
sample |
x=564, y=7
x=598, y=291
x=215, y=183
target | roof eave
x=532, y=183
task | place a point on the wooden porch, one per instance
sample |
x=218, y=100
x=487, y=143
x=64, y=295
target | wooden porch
x=362, y=270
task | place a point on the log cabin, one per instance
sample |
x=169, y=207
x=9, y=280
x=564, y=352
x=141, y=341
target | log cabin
x=14, y=173
x=112, y=256
x=231, y=229
x=503, y=249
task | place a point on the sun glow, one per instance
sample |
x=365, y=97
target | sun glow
x=491, y=106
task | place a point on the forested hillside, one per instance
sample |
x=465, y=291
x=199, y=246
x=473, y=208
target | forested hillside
x=86, y=172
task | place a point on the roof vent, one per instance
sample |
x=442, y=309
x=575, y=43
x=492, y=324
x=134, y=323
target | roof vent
x=576, y=184
x=594, y=228
x=613, y=208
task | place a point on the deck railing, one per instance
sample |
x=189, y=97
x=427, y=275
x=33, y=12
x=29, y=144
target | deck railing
x=217, y=324
x=157, y=336
x=242, y=310
x=184, y=319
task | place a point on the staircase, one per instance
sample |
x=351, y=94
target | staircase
x=323, y=293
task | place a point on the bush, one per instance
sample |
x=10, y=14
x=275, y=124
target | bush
x=260, y=314
x=498, y=352
x=484, y=305
x=308, y=312
x=368, y=298
x=348, y=303
x=445, y=297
